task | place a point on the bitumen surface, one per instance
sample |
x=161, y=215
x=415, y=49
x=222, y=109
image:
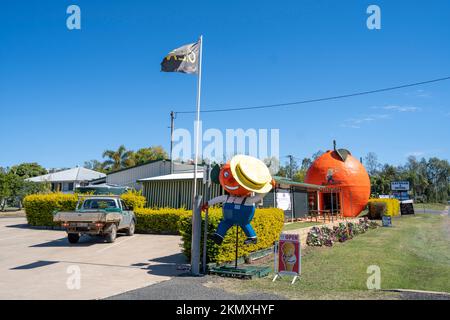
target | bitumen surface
x=36, y=263
x=190, y=288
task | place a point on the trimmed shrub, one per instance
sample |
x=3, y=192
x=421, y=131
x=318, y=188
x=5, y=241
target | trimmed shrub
x=162, y=221
x=39, y=208
x=392, y=208
x=267, y=222
x=134, y=199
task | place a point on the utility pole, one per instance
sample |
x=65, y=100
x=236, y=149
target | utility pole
x=172, y=123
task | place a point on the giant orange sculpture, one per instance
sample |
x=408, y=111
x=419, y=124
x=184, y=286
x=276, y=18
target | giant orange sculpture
x=346, y=180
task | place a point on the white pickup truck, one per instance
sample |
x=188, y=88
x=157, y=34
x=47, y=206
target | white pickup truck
x=97, y=215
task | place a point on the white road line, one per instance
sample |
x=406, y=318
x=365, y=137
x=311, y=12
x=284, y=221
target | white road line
x=115, y=244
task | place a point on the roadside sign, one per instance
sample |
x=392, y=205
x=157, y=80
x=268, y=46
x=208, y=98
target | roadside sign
x=401, y=195
x=288, y=256
x=387, y=221
x=400, y=185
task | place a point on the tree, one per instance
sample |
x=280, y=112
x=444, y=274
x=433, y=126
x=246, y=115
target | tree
x=371, y=163
x=5, y=190
x=94, y=165
x=149, y=154
x=119, y=159
x=317, y=154
x=438, y=173
x=28, y=170
x=11, y=188
x=273, y=164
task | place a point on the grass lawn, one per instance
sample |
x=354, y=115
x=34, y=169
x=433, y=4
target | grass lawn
x=429, y=206
x=300, y=225
x=413, y=254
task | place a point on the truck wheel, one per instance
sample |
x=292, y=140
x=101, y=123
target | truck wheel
x=73, y=237
x=130, y=230
x=111, y=236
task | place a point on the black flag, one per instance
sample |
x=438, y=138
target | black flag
x=184, y=59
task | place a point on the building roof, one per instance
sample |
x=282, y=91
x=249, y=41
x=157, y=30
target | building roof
x=175, y=176
x=138, y=165
x=150, y=162
x=74, y=174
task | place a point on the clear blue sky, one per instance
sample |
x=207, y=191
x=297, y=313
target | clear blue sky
x=58, y=87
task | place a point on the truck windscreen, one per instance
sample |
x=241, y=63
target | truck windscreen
x=95, y=204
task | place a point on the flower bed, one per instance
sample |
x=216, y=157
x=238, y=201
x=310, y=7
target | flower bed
x=325, y=236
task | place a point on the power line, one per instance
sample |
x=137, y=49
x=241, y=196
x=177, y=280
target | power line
x=319, y=99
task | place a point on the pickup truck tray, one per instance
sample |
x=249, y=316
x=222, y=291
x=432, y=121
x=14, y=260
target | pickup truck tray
x=87, y=216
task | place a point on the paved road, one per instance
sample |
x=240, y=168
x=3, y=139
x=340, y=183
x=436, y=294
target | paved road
x=187, y=288
x=34, y=263
x=446, y=211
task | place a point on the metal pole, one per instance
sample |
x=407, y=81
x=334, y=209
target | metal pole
x=197, y=200
x=205, y=228
x=332, y=206
x=196, y=235
x=172, y=118
x=237, y=246
x=351, y=204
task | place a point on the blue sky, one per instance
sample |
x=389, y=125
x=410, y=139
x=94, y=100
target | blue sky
x=59, y=87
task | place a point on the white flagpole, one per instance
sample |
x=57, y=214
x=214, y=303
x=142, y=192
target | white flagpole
x=197, y=137
x=196, y=201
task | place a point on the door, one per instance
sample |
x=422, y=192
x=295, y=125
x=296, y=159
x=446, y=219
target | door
x=126, y=220
x=331, y=201
x=300, y=204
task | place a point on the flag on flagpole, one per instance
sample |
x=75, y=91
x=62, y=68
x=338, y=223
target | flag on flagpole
x=184, y=59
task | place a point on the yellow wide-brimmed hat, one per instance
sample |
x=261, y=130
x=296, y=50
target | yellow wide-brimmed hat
x=251, y=173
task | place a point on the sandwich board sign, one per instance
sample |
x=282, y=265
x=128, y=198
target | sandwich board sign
x=387, y=221
x=288, y=256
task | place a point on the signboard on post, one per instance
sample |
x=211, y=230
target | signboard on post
x=288, y=256
x=400, y=186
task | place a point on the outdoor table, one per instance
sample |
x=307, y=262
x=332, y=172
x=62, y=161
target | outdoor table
x=320, y=212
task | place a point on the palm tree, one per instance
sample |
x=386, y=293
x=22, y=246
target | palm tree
x=119, y=159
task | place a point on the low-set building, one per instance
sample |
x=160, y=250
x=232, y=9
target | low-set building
x=68, y=180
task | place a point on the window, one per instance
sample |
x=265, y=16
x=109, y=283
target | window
x=124, y=206
x=67, y=186
x=97, y=204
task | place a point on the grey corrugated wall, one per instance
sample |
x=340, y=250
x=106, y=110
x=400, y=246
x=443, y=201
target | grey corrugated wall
x=175, y=193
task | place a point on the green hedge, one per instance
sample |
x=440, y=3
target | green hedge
x=39, y=208
x=162, y=221
x=267, y=223
x=134, y=199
